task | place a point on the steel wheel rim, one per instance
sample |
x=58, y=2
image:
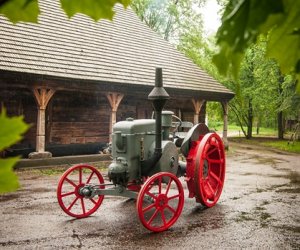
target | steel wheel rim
x=165, y=207
x=88, y=206
x=210, y=169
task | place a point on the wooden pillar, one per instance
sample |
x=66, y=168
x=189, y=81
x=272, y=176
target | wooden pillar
x=114, y=101
x=42, y=96
x=197, y=107
x=225, y=124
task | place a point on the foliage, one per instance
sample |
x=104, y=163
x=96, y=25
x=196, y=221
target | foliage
x=262, y=91
x=10, y=132
x=28, y=10
x=170, y=18
x=20, y=10
x=242, y=23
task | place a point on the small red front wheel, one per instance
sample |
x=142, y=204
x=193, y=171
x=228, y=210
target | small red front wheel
x=160, y=201
x=68, y=191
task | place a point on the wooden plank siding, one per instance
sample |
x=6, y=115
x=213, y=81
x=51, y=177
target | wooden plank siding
x=74, y=117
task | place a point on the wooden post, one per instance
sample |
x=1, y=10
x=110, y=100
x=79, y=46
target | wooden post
x=197, y=107
x=225, y=124
x=42, y=96
x=114, y=101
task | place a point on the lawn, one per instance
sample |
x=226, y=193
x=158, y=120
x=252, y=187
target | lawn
x=284, y=145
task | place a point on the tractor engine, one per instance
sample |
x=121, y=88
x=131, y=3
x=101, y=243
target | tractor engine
x=137, y=147
x=134, y=150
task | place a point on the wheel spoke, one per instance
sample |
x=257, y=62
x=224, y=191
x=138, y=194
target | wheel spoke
x=148, y=208
x=171, y=209
x=90, y=177
x=159, y=185
x=80, y=175
x=213, y=160
x=212, y=151
x=92, y=200
x=169, y=185
x=67, y=194
x=163, y=217
x=212, y=191
x=151, y=195
x=82, y=205
x=72, y=204
x=213, y=175
x=173, y=197
x=152, y=217
x=71, y=182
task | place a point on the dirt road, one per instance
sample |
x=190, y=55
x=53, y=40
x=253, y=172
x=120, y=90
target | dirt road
x=259, y=209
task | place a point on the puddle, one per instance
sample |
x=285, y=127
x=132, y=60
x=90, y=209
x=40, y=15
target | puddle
x=289, y=190
x=294, y=177
x=243, y=216
x=8, y=197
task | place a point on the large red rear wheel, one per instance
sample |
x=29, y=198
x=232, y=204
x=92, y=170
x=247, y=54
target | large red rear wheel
x=209, y=170
x=68, y=191
x=160, y=201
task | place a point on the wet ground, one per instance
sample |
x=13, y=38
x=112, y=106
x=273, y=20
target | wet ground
x=258, y=209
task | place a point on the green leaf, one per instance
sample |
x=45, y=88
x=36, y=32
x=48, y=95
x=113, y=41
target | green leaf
x=242, y=22
x=10, y=130
x=8, y=179
x=96, y=9
x=284, y=40
x=242, y=19
x=20, y=10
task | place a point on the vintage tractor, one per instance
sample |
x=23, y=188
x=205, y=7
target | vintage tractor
x=146, y=167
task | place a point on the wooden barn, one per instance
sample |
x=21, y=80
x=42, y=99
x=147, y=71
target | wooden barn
x=72, y=79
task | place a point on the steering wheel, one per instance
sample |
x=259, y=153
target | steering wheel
x=176, y=124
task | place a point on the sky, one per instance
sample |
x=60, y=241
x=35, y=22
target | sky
x=211, y=19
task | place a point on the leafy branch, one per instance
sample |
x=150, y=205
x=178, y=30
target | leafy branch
x=28, y=10
x=242, y=23
x=11, y=131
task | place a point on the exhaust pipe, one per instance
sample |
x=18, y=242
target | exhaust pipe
x=158, y=96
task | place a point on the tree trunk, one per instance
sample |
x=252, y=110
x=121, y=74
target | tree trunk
x=250, y=120
x=280, y=112
x=280, y=125
x=258, y=125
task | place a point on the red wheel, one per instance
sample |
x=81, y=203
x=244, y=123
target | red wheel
x=160, y=201
x=68, y=196
x=209, y=170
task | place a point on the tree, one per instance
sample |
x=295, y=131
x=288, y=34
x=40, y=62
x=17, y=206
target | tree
x=242, y=23
x=263, y=93
x=170, y=18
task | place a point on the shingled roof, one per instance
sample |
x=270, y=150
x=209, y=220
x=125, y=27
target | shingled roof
x=124, y=51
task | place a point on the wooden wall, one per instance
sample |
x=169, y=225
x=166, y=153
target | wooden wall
x=21, y=102
x=74, y=117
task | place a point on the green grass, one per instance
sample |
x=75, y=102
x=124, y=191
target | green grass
x=270, y=142
x=283, y=145
x=266, y=137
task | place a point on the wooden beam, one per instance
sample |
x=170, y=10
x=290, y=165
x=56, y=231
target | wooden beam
x=42, y=96
x=197, y=108
x=114, y=100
